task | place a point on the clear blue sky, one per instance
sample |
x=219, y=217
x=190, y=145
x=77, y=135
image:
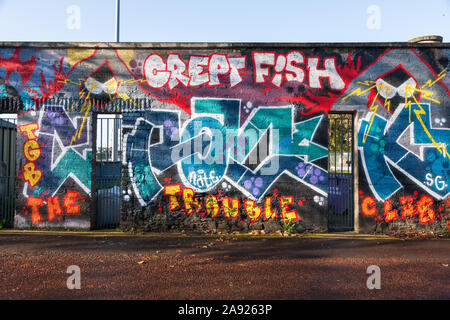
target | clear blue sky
x=231, y=20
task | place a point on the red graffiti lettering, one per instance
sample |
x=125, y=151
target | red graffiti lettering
x=53, y=207
x=389, y=213
x=34, y=203
x=368, y=207
x=69, y=203
x=425, y=210
x=407, y=207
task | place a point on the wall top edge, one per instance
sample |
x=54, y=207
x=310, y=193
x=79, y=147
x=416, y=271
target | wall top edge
x=219, y=45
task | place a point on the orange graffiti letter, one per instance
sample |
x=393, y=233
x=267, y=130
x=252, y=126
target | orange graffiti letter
x=53, y=207
x=69, y=203
x=35, y=203
x=389, y=213
x=407, y=207
x=368, y=207
x=424, y=207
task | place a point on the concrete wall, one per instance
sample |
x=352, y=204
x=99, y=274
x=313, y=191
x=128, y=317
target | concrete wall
x=232, y=137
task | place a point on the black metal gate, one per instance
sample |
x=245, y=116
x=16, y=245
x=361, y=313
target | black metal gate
x=8, y=132
x=340, y=172
x=108, y=170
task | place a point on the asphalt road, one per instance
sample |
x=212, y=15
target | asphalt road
x=119, y=266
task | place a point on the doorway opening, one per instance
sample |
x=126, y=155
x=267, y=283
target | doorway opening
x=108, y=170
x=340, y=172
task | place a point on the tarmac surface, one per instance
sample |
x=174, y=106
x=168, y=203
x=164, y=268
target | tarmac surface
x=114, y=265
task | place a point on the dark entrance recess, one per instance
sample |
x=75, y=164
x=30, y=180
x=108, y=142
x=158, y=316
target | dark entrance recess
x=108, y=170
x=8, y=132
x=340, y=172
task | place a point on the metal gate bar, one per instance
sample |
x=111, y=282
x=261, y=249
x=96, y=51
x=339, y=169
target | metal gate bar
x=108, y=170
x=8, y=132
x=340, y=172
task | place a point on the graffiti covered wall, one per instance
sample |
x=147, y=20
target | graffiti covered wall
x=232, y=139
x=55, y=167
x=403, y=101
